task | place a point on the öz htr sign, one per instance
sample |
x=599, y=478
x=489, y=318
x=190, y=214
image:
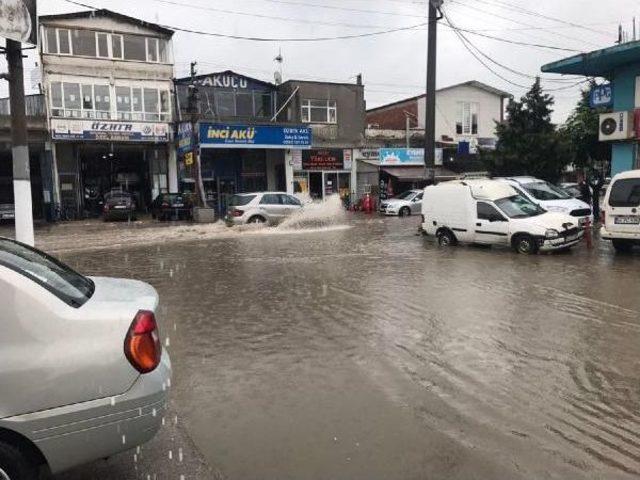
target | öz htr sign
x=217, y=135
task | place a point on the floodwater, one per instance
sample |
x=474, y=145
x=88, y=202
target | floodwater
x=367, y=352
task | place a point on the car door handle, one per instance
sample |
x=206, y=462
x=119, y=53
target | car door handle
x=478, y=224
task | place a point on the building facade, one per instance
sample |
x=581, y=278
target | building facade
x=108, y=86
x=620, y=65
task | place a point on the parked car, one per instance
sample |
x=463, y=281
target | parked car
x=265, y=207
x=119, y=206
x=551, y=198
x=171, y=206
x=621, y=223
x=83, y=374
x=7, y=211
x=573, y=190
x=405, y=204
x=492, y=212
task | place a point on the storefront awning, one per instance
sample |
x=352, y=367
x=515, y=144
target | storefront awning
x=417, y=173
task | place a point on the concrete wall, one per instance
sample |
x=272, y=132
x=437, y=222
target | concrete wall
x=350, y=127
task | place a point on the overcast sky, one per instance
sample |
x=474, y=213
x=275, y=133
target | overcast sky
x=393, y=65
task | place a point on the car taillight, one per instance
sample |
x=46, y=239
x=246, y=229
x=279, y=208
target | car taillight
x=142, y=345
x=237, y=213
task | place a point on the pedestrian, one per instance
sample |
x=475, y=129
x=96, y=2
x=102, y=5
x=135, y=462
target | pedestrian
x=585, y=191
x=596, y=181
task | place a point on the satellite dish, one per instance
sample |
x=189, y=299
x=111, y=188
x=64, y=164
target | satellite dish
x=278, y=77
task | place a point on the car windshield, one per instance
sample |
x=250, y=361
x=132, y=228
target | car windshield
x=66, y=284
x=405, y=195
x=545, y=191
x=240, y=200
x=625, y=193
x=518, y=206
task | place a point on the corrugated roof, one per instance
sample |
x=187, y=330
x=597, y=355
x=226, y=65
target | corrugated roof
x=598, y=62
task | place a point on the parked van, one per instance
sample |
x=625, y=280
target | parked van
x=551, y=198
x=621, y=223
x=492, y=212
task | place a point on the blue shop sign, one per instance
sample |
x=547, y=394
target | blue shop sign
x=185, y=137
x=401, y=156
x=601, y=96
x=217, y=135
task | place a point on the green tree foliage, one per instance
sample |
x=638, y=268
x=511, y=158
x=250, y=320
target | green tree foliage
x=528, y=143
x=581, y=133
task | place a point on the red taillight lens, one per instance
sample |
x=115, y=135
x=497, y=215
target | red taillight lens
x=142, y=345
x=237, y=213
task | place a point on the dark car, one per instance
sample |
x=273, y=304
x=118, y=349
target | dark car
x=119, y=206
x=172, y=206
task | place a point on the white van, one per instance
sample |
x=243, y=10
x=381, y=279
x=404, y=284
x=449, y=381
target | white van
x=621, y=223
x=551, y=198
x=494, y=213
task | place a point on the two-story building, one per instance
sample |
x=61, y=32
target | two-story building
x=108, y=87
x=257, y=136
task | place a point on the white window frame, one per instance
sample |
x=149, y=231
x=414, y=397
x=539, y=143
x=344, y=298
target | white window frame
x=108, y=35
x=111, y=37
x=331, y=111
x=157, y=49
x=68, y=39
x=464, y=116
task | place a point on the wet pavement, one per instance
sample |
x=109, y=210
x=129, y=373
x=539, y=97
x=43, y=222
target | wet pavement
x=369, y=352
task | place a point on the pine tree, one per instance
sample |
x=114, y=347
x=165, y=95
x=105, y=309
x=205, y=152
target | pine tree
x=528, y=142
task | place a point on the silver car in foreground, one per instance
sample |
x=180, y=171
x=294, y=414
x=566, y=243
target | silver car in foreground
x=82, y=371
x=264, y=207
x=403, y=205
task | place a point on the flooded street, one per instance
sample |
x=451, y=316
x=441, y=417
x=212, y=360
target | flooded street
x=366, y=352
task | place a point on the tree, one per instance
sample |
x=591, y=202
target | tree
x=581, y=133
x=528, y=143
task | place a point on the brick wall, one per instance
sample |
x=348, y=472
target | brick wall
x=393, y=116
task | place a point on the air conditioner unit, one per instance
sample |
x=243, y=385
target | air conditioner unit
x=616, y=126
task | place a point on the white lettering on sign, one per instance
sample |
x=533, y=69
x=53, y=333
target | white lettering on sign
x=225, y=81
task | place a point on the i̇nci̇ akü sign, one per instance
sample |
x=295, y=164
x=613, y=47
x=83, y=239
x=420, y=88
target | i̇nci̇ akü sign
x=216, y=135
x=18, y=21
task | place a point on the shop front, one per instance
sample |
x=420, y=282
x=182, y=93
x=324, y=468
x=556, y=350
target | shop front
x=94, y=157
x=320, y=173
x=244, y=158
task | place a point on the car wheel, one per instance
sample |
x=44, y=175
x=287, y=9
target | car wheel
x=446, y=238
x=525, y=244
x=14, y=465
x=622, y=246
x=404, y=212
x=257, y=219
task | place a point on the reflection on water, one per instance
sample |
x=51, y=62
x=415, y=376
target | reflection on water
x=369, y=352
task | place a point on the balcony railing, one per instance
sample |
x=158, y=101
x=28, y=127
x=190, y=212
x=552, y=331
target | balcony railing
x=34, y=106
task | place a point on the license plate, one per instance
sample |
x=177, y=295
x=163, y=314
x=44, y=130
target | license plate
x=120, y=206
x=7, y=215
x=627, y=220
x=178, y=205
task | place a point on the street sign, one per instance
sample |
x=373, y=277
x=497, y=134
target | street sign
x=19, y=21
x=601, y=96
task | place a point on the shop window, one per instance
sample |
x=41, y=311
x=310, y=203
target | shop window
x=83, y=43
x=103, y=44
x=57, y=106
x=116, y=46
x=262, y=105
x=102, y=101
x=151, y=110
x=123, y=103
x=135, y=48
x=319, y=111
x=72, y=99
x=136, y=104
x=467, y=118
x=244, y=104
x=225, y=104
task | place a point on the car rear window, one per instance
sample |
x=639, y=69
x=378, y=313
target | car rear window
x=66, y=284
x=625, y=193
x=240, y=200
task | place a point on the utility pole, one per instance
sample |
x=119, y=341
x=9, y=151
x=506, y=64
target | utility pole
x=430, y=100
x=195, y=149
x=20, y=148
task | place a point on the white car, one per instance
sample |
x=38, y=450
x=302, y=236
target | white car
x=493, y=213
x=83, y=374
x=403, y=205
x=621, y=223
x=551, y=198
x=262, y=207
